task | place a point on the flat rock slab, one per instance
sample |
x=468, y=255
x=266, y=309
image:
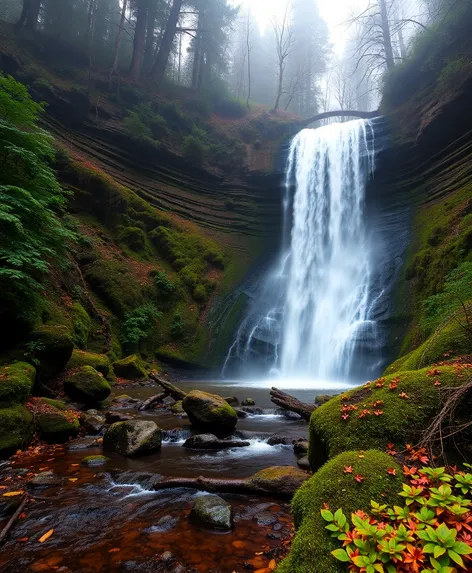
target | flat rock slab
x=45, y=479
x=211, y=442
x=212, y=511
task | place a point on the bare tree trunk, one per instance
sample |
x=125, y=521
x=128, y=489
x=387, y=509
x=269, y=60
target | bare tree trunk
x=280, y=87
x=24, y=14
x=387, y=38
x=150, y=27
x=197, y=56
x=172, y=390
x=293, y=404
x=248, y=46
x=160, y=64
x=29, y=14
x=119, y=36
x=139, y=39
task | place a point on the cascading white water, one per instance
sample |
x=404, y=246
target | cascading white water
x=328, y=285
x=312, y=315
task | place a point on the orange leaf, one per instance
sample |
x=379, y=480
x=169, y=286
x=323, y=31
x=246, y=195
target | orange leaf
x=46, y=536
x=22, y=540
x=114, y=550
x=13, y=493
x=22, y=515
x=73, y=479
x=272, y=564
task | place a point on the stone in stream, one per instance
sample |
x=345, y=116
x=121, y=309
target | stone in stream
x=177, y=409
x=301, y=448
x=278, y=440
x=94, y=461
x=248, y=402
x=113, y=417
x=209, y=411
x=304, y=463
x=232, y=400
x=93, y=423
x=212, y=511
x=45, y=479
x=82, y=444
x=282, y=480
x=241, y=413
x=211, y=442
x=133, y=438
x=254, y=410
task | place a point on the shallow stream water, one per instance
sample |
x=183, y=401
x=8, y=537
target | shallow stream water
x=107, y=519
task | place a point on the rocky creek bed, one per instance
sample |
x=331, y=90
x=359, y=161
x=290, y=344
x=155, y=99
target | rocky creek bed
x=107, y=516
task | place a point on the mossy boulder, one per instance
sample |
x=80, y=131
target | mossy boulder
x=94, y=461
x=130, y=368
x=312, y=545
x=16, y=383
x=87, y=386
x=280, y=480
x=212, y=511
x=16, y=429
x=452, y=340
x=209, y=411
x=396, y=408
x=81, y=325
x=177, y=409
x=58, y=404
x=56, y=426
x=100, y=362
x=51, y=349
x=133, y=438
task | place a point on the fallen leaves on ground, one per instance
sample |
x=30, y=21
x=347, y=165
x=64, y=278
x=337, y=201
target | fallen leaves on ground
x=46, y=536
x=14, y=493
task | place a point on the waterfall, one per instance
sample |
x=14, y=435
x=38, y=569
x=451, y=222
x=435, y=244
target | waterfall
x=314, y=311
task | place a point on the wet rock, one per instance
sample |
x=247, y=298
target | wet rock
x=277, y=440
x=232, y=401
x=242, y=414
x=251, y=435
x=283, y=480
x=165, y=523
x=248, y=402
x=322, y=399
x=209, y=411
x=8, y=506
x=211, y=442
x=301, y=448
x=53, y=348
x=179, y=568
x=266, y=518
x=94, y=461
x=113, y=417
x=167, y=556
x=56, y=427
x=130, y=368
x=82, y=444
x=20, y=472
x=212, y=511
x=288, y=414
x=304, y=463
x=133, y=438
x=93, y=423
x=177, y=409
x=87, y=386
x=45, y=479
x=254, y=410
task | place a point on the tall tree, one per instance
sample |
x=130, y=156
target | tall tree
x=159, y=67
x=139, y=41
x=119, y=36
x=29, y=14
x=284, y=42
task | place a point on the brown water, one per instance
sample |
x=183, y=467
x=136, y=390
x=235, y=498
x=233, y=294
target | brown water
x=107, y=520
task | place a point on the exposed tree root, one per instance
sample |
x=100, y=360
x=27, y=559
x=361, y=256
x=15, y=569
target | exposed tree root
x=13, y=519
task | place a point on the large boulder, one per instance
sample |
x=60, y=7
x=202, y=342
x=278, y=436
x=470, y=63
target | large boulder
x=56, y=426
x=87, y=386
x=80, y=358
x=212, y=511
x=332, y=485
x=209, y=411
x=16, y=429
x=281, y=480
x=133, y=438
x=16, y=383
x=130, y=368
x=93, y=422
x=396, y=409
x=52, y=348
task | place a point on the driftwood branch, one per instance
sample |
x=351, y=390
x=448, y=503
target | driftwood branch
x=13, y=519
x=152, y=401
x=171, y=390
x=291, y=403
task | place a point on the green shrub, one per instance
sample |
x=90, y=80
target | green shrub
x=232, y=108
x=164, y=286
x=177, y=329
x=194, y=149
x=134, y=237
x=137, y=324
x=200, y=293
x=134, y=126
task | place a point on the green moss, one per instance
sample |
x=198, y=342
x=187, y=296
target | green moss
x=16, y=430
x=81, y=325
x=130, y=368
x=92, y=461
x=58, y=404
x=452, y=340
x=16, y=383
x=87, y=386
x=100, y=362
x=50, y=348
x=312, y=546
x=402, y=419
x=133, y=237
x=56, y=427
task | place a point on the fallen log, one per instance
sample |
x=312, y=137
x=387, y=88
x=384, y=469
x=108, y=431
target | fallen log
x=152, y=401
x=171, y=390
x=291, y=403
x=206, y=484
x=12, y=519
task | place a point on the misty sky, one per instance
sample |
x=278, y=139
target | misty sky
x=334, y=12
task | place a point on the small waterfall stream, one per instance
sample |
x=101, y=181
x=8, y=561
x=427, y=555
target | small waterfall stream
x=315, y=310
